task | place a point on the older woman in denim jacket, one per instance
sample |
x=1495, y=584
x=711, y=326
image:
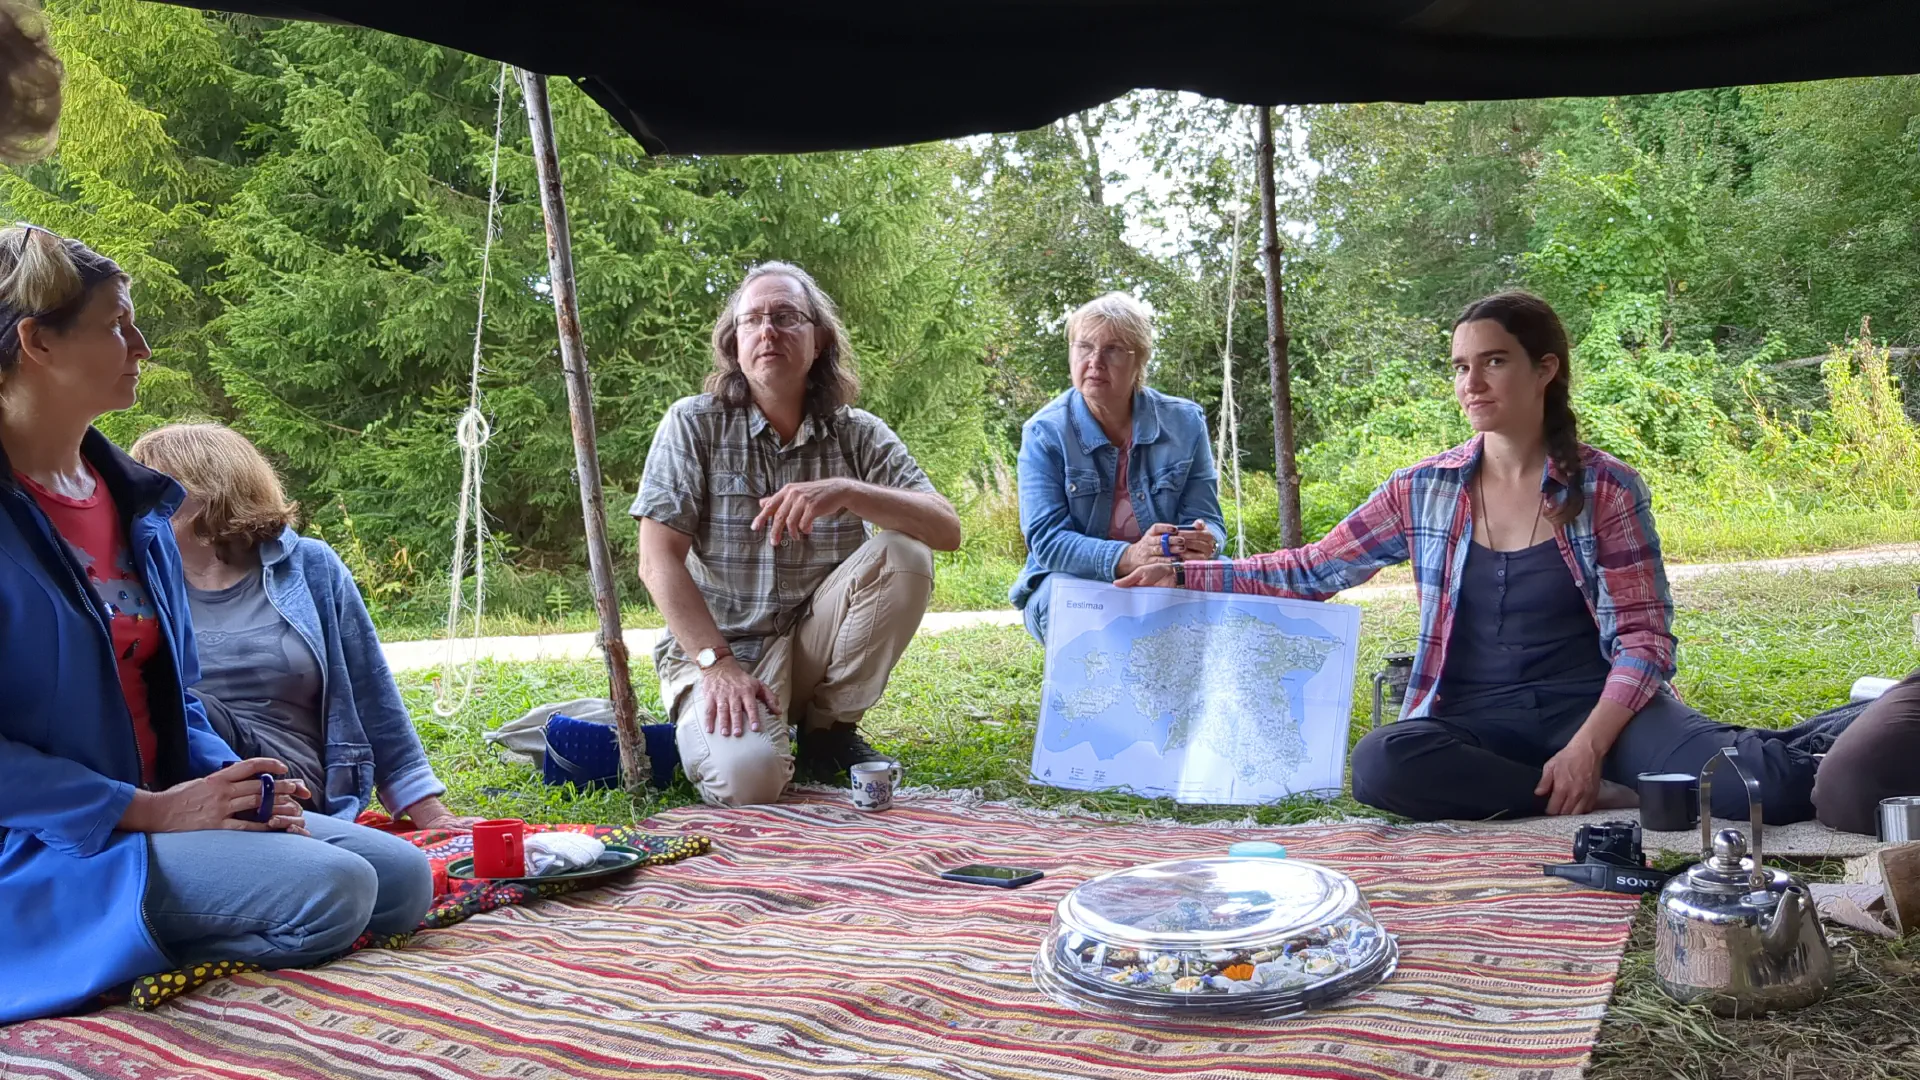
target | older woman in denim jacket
x=1113, y=475
x=291, y=666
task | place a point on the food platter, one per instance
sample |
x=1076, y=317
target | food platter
x=616, y=858
x=1221, y=936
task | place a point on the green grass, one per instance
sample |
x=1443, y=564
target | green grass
x=1756, y=648
x=1763, y=649
x=966, y=581
x=1716, y=532
x=1865, y=1028
x=406, y=627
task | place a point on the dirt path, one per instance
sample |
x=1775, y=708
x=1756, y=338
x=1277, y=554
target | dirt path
x=418, y=655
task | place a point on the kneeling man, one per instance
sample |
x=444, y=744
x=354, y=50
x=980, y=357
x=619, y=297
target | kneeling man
x=785, y=613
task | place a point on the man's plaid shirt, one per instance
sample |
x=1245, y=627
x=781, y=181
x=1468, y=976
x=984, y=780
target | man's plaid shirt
x=710, y=466
x=1424, y=515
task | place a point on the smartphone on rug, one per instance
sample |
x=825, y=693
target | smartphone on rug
x=1005, y=877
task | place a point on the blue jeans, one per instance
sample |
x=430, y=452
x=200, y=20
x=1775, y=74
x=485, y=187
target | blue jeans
x=280, y=900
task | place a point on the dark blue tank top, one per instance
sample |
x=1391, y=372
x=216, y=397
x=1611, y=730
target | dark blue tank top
x=1521, y=624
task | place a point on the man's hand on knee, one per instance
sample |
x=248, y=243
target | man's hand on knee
x=733, y=699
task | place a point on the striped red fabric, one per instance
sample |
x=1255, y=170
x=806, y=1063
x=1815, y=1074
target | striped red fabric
x=815, y=941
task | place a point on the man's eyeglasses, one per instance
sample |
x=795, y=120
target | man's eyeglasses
x=788, y=319
x=1112, y=354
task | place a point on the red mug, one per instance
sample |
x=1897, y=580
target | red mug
x=498, y=850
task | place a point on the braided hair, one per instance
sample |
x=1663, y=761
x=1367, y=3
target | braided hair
x=1534, y=325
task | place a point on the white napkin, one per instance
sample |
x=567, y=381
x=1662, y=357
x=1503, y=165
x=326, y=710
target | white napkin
x=558, y=852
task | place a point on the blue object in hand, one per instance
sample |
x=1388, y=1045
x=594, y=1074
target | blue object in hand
x=1166, y=545
x=264, y=813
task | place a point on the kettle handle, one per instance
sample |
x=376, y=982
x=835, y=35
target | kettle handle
x=1730, y=756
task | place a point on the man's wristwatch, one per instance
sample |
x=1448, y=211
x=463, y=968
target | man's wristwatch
x=1179, y=575
x=706, y=658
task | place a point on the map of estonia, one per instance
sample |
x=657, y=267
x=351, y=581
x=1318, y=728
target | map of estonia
x=1225, y=674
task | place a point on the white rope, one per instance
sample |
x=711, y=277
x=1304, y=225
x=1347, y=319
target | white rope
x=454, y=688
x=1229, y=438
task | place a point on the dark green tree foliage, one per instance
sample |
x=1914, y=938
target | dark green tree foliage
x=1829, y=225
x=303, y=207
x=1047, y=241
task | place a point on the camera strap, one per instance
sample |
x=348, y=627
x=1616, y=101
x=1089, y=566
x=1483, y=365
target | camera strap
x=1599, y=873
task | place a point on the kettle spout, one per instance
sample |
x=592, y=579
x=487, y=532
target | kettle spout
x=1783, y=936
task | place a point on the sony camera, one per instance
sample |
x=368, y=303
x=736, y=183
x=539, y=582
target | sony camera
x=1613, y=842
x=1608, y=856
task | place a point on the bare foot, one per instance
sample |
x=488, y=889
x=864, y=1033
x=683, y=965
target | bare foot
x=1614, y=796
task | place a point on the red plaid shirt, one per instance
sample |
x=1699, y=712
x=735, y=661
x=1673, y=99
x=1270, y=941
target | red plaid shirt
x=1423, y=515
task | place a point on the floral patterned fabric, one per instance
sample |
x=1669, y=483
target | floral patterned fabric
x=454, y=900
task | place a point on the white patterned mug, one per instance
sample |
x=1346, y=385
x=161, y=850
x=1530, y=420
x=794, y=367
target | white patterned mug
x=873, y=783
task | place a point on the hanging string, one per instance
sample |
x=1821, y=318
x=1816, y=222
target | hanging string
x=1229, y=437
x=454, y=688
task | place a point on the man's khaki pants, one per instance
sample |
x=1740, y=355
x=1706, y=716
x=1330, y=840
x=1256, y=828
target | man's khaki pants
x=830, y=668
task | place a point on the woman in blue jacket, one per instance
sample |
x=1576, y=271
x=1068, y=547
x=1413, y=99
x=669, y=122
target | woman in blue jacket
x=128, y=844
x=1113, y=475
x=290, y=665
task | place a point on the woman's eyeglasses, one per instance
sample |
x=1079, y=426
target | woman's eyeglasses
x=1112, y=354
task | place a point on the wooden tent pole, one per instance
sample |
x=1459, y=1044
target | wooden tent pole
x=634, y=768
x=1286, y=474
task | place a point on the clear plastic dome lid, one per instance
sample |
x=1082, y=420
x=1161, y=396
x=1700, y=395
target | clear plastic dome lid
x=1249, y=936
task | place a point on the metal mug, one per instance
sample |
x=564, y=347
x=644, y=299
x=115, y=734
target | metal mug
x=1669, y=802
x=1390, y=686
x=1900, y=819
x=873, y=783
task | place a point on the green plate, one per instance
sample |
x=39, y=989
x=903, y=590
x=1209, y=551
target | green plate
x=617, y=857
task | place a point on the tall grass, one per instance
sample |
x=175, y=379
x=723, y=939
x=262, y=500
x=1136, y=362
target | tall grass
x=1768, y=483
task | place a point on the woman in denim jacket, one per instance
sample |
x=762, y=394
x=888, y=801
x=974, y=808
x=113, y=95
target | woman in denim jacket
x=1113, y=476
x=131, y=841
x=291, y=666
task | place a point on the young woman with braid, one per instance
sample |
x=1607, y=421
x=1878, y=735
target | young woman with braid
x=1540, y=676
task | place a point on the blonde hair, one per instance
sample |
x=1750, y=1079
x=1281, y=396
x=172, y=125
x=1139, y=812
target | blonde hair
x=1127, y=319
x=831, y=382
x=29, y=85
x=242, y=502
x=45, y=278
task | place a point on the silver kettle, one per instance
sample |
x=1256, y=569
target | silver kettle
x=1730, y=933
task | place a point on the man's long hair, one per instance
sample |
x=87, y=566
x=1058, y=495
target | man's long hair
x=831, y=382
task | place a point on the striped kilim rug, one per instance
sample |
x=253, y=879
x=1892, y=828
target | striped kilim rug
x=817, y=942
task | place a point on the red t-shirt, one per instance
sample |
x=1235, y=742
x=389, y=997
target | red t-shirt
x=91, y=526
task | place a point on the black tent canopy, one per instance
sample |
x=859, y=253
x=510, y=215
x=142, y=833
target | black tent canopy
x=752, y=76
